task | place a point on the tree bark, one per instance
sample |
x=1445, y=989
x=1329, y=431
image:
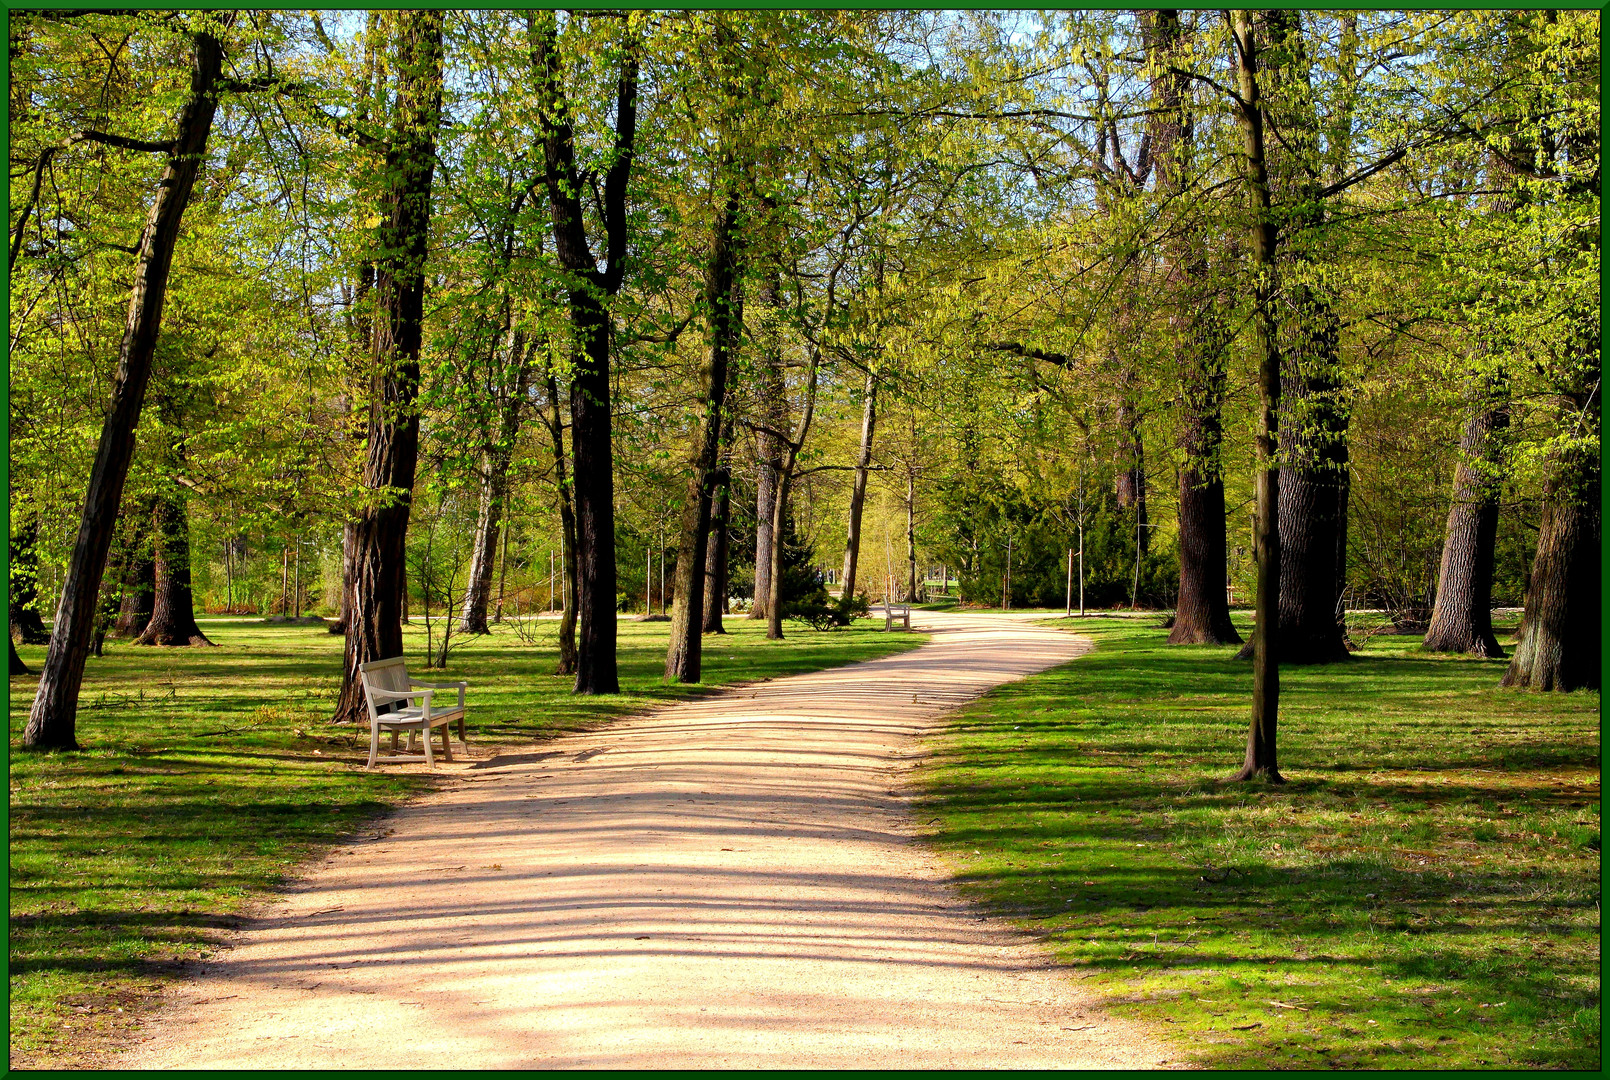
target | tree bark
x=173, y=613
x=52, y=719
x=376, y=604
x=1560, y=634
x=592, y=455
x=863, y=462
x=1313, y=488
x=23, y=597
x=1262, y=759
x=567, y=529
x=495, y=458
x=1314, y=415
x=1199, y=324
x=715, y=565
x=768, y=447
x=684, y=655
x=1462, y=618
x=779, y=510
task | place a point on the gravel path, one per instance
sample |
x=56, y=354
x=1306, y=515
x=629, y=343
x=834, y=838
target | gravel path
x=728, y=883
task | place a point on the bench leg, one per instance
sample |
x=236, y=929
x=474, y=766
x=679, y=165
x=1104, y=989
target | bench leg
x=374, y=744
x=461, y=737
x=424, y=737
x=447, y=746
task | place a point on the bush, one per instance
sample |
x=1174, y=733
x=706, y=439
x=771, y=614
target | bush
x=823, y=613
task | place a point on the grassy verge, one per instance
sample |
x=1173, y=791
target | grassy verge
x=209, y=775
x=1422, y=893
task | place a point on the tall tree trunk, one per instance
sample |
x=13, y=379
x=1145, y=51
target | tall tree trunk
x=683, y=658
x=1313, y=487
x=173, y=615
x=567, y=530
x=1314, y=418
x=715, y=565
x=1262, y=759
x=52, y=719
x=23, y=599
x=863, y=463
x=1559, y=646
x=768, y=447
x=1560, y=631
x=494, y=478
x=594, y=501
x=592, y=454
x=376, y=603
x=1198, y=324
x=779, y=510
x=1462, y=618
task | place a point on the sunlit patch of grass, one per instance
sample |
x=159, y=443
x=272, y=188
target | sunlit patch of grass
x=1423, y=892
x=209, y=775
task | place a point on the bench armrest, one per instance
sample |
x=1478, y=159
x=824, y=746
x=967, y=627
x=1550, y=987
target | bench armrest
x=459, y=686
x=393, y=695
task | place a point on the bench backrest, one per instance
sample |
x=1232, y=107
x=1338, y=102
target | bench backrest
x=389, y=674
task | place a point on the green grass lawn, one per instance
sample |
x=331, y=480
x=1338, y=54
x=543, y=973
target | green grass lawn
x=209, y=775
x=1423, y=892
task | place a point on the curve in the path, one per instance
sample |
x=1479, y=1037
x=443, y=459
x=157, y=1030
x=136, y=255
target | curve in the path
x=731, y=882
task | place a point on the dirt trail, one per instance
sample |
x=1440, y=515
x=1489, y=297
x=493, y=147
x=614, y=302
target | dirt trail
x=728, y=883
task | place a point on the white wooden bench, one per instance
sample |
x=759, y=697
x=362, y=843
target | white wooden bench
x=896, y=611
x=387, y=688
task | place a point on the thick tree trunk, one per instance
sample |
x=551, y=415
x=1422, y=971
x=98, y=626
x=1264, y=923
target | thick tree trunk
x=684, y=655
x=1559, y=641
x=592, y=454
x=1313, y=489
x=1462, y=618
x=23, y=598
x=51, y=721
x=590, y=432
x=863, y=463
x=768, y=448
x=1262, y=758
x=173, y=614
x=1199, y=325
x=1202, y=616
x=376, y=602
x=715, y=564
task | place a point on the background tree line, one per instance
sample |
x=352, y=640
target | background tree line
x=470, y=314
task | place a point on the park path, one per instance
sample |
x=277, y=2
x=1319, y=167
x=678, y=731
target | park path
x=733, y=882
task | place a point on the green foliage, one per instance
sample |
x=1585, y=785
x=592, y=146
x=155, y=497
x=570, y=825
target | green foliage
x=976, y=515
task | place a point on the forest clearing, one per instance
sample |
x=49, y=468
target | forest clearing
x=1230, y=380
